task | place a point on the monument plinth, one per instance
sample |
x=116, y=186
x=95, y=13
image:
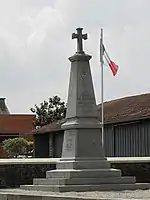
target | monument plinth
x=83, y=166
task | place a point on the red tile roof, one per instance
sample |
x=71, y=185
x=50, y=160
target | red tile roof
x=16, y=123
x=127, y=108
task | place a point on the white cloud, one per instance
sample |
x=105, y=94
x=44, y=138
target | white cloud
x=35, y=43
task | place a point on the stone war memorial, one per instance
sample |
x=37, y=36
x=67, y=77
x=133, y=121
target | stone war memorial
x=83, y=166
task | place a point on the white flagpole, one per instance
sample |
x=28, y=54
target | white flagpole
x=102, y=85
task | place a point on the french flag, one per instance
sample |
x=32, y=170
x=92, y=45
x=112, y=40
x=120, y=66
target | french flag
x=113, y=66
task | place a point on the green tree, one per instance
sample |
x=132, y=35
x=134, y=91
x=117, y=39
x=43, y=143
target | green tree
x=15, y=147
x=49, y=111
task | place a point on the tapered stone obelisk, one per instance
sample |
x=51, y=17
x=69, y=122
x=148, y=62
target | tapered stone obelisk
x=82, y=136
x=83, y=166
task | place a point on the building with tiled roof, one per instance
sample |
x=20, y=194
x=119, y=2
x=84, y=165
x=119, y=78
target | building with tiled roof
x=127, y=128
x=14, y=125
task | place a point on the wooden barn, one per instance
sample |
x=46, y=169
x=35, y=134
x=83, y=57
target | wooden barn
x=126, y=133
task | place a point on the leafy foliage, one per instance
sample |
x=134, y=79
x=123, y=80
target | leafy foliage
x=49, y=111
x=15, y=147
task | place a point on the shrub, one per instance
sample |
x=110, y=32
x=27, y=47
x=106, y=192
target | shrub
x=15, y=147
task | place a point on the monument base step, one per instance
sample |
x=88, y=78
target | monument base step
x=83, y=164
x=84, y=181
x=83, y=173
x=84, y=188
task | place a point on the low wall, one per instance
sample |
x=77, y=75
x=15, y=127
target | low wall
x=16, y=172
x=133, y=166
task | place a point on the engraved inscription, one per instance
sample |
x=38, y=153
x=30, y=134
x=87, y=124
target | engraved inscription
x=83, y=75
x=86, y=102
x=85, y=98
x=69, y=144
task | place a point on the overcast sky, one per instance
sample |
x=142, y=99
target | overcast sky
x=35, y=43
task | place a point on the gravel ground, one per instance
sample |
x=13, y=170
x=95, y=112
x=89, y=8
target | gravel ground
x=136, y=194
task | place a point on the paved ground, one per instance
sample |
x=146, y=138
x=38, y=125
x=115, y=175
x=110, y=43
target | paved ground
x=137, y=194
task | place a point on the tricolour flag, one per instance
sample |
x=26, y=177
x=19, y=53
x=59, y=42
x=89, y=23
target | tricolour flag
x=113, y=66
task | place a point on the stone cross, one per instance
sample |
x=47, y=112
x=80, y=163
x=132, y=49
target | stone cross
x=79, y=36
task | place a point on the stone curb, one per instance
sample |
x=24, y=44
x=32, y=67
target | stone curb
x=19, y=196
